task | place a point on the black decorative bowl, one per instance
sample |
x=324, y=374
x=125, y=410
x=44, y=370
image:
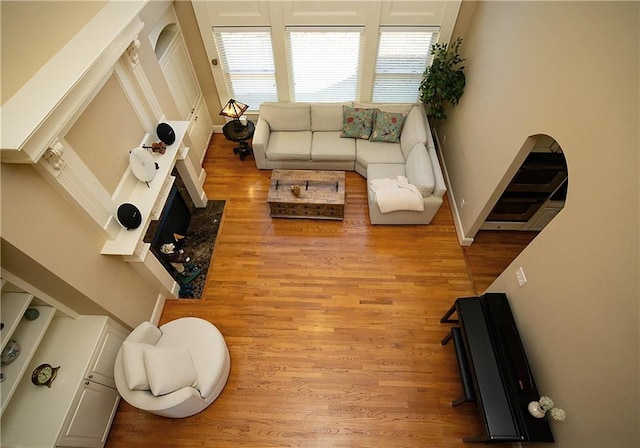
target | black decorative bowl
x=129, y=216
x=166, y=133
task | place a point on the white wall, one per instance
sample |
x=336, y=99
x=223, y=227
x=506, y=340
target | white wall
x=569, y=70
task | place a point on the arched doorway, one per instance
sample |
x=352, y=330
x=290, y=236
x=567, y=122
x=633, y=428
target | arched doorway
x=532, y=199
x=536, y=193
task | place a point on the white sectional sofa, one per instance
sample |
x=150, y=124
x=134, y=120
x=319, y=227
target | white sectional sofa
x=308, y=136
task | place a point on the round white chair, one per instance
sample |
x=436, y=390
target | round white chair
x=174, y=371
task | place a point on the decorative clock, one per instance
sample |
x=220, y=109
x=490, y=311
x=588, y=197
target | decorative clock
x=44, y=374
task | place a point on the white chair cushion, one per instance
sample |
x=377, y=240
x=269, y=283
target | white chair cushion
x=413, y=132
x=419, y=170
x=135, y=373
x=169, y=369
x=327, y=116
x=287, y=116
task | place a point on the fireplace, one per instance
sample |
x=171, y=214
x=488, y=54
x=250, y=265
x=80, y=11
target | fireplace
x=174, y=220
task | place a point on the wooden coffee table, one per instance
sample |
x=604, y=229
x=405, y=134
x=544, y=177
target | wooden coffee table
x=322, y=194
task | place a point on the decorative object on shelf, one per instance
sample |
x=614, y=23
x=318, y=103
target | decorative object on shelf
x=539, y=409
x=295, y=189
x=129, y=216
x=31, y=314
x=44, y=374
x=234, y=109
x=10, y=352
x=443, y=81
x=158, y=147
x=166, y=133
x=142, y=164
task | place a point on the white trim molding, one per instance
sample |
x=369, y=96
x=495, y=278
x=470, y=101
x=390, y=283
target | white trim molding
x=39, y=111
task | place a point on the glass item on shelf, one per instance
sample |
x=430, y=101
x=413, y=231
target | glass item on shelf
x=10, y=352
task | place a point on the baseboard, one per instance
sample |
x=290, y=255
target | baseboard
x=462, y=239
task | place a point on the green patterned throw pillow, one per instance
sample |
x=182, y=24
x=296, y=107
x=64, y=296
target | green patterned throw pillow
x=387, y=126
x=356, y=122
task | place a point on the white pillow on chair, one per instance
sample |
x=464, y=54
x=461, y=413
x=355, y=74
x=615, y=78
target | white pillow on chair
x=169, y=369
x=135, y=373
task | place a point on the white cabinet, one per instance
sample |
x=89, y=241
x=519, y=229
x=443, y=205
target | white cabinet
x=178, y=71
x=200, y=130
x=78, y=408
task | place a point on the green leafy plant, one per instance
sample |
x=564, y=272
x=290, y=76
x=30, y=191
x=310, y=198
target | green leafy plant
x=443, y=82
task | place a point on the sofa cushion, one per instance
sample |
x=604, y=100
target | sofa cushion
x=413, y=131
x=419, y=170
x=289, y=146
x=329, y=146
x=327, y=116
x=402, y=108
x=287, y=116
x=378, y=152
x=356, y=122
x=387, y=126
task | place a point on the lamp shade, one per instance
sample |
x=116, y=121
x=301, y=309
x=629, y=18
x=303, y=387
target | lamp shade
x=233, y=109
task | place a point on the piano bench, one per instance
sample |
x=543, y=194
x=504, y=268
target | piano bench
x=468, y=394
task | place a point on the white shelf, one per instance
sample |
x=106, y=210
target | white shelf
x=145, y=197
x=13, y=306
x=28, y=334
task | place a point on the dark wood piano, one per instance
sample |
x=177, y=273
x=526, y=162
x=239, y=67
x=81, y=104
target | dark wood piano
x=494, y=370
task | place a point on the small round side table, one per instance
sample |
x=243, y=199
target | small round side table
x=234, y=131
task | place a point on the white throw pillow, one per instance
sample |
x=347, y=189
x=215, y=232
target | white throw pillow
x=327, y=116
x=419, y=170
x=414, y=131
x=169, y=369
x=135, y=373
x=287, y=116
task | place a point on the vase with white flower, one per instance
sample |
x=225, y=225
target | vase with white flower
x=539, y=409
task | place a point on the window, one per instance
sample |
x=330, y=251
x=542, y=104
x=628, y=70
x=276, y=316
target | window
x=403, y=56
x=246, y=58
x=324, y=63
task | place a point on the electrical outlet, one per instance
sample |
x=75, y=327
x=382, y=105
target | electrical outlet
x=462, y=203
x=522, y=279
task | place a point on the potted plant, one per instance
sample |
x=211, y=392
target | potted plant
x=443, y=82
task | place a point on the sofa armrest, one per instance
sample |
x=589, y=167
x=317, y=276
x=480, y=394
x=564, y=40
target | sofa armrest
x=440, y=187
x=260, y=143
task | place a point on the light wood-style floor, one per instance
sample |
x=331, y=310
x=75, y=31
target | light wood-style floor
x=332, y=326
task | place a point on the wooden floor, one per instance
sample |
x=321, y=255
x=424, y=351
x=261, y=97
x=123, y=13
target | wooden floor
x=332, y=326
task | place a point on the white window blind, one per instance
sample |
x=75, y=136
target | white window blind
x=403, y=56
x=246, y=58
x=324, y=63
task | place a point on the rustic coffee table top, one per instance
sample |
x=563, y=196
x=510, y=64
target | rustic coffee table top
x=316, y=187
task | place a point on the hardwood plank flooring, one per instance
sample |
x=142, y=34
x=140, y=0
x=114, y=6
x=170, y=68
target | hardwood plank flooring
x=332, y=326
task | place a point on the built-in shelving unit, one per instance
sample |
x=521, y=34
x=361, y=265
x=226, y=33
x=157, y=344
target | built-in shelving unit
x=27, y=333
x=78, y=408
